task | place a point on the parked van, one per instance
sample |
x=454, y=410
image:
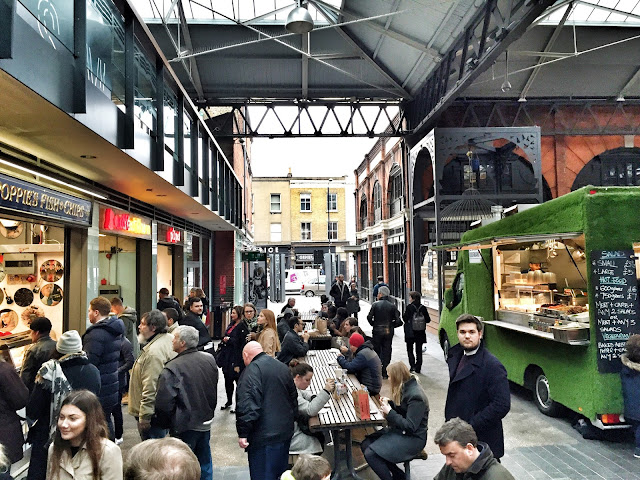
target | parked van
x=557, y=287
x=295, y=277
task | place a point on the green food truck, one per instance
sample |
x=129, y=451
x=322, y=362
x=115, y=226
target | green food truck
x=557, y=287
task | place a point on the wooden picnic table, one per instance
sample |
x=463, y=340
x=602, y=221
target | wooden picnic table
x=339, y=416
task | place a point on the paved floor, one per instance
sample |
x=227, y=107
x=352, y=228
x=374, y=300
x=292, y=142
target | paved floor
x=537, y=447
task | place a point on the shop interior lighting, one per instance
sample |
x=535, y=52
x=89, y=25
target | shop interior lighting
x=52, y=179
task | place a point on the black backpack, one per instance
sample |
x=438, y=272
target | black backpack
x=418, y=322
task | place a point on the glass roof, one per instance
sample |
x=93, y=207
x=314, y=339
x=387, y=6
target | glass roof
x=221, y=11
x=595, y=12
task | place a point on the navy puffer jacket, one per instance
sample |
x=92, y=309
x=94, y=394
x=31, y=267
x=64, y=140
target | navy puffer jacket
x=367, y=367
x=102, y=342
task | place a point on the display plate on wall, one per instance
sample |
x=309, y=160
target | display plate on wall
x=8, y=320
x=51, y=271
x=51, y=294
x=31, y=313
x=23, y=297
x=2, y=272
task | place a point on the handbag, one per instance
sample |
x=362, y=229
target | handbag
x=218, y=351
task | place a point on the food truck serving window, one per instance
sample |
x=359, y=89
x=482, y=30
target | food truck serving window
x=458, y=288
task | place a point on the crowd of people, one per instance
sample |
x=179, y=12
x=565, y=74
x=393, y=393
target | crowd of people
x=72, y=389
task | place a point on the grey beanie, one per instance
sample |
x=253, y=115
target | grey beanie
x=69, y=342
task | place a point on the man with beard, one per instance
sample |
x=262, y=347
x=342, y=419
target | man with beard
x=478, y=387
x=157, y=349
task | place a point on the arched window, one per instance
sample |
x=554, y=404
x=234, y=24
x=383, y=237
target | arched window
x=395, y=191
x=377, y=202
x=617, y=167
x=364, y=220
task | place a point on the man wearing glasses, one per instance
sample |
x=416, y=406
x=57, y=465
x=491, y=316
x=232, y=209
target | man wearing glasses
x=295, y=343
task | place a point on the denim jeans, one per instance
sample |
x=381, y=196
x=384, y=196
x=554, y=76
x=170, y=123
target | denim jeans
x=269, y=461
x=199, y=443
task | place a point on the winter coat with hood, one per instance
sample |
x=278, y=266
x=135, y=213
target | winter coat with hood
x=13, y=396
x=406, y=432
x=102, y=342
x=367, y=367
x=130, y=319
x=486, y=467
x=630, y=377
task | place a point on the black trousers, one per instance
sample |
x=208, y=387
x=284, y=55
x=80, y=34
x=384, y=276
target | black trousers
x=382, y=346
x=415, y=361
x=229, y=377
x=384, y=469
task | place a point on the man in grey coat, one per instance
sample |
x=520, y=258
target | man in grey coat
x=187, y=396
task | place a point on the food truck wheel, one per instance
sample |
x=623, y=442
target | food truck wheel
x=542, y=396
x=446, y=346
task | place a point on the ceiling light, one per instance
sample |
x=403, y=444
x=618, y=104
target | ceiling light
x=506, y=85
x=620, y=98
x=52, y=179
x=88, y=157
x=299, y=20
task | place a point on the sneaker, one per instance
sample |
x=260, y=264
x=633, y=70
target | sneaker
x=424, y=348
x=119, y=441
x=636, y=452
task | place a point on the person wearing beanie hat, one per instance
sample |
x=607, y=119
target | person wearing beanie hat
x=68, y=359
x=39, y=352
x=356, y=340
x=366, y=364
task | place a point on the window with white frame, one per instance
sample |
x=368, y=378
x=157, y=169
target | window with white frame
x=305, y=231
x=377, y=202
x=332, y=202
x=275, y=203
x=333, y=231
x=276, y=232
x=305, y=202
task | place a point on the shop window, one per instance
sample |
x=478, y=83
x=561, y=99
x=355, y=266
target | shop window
x=396, y=269
x=364, y=221
x=332, y=202
x=618, y=167
x=305, y=202
x=276, y=232
x=377, y=202
x=332, y=232
x=275, y=203
x=305, y=231
x=364, y=274
x=377, y=262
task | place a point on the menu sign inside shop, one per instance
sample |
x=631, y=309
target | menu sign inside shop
x=167, y=234
x=118, y=221
x=31, y=198
x=613, y=276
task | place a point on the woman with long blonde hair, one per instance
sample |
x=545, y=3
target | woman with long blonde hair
x=268, y=335
x=407, y=414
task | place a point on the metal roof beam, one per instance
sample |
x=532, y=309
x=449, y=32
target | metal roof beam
x=625, y=90
x=305, y=65
x=193, y=66
x=550, y=43
x=365, y=56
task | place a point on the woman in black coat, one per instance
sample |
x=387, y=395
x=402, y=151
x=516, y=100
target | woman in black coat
x=230, y=356
x=13, y=396
x=415, y=334
x=407, y=414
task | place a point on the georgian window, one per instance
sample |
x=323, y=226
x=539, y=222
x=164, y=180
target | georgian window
x=305, y=202
x=332, y=232
x=305, y=231
x=275, y=203
x=395, y=191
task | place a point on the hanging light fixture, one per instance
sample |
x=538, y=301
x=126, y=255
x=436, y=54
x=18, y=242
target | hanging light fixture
x=299, y=20
x=506, y=85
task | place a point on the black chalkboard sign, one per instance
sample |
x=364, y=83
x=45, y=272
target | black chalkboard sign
x=613, y=276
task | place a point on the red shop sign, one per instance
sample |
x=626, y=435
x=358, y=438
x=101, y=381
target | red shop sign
x=173, y=235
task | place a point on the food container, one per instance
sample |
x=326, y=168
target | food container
x=568, y=334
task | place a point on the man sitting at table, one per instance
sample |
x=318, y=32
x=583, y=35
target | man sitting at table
x=365, y=364
x=294, y=344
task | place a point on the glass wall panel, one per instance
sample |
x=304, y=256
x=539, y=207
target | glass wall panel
x=145, y=87
x=186, y=144
x=170, y=121
x=105, y=48
x=55, y=18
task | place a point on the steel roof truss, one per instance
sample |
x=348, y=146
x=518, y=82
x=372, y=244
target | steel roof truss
x=193, y=66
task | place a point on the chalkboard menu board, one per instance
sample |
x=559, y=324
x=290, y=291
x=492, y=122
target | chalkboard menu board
x=613, y=276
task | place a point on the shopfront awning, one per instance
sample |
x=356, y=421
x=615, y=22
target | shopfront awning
x=490, y=242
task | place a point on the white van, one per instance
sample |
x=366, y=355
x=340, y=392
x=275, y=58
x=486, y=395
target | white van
x=296, y=277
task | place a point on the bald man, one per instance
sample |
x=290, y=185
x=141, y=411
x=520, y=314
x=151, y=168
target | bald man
x=265, y=385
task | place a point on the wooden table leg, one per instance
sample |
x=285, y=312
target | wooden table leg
x=342, y=456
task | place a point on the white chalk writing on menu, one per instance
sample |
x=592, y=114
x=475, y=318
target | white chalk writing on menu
x=613, y=276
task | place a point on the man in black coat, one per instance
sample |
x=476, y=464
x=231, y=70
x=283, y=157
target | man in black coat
x=167, y=301
x=102, y=342
x=266, y=405
x=383, y=317
x=39, y=352
x=340, y=292
x=478, y=388
x=194, y=319
x=294, y=345
x=187, y=396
